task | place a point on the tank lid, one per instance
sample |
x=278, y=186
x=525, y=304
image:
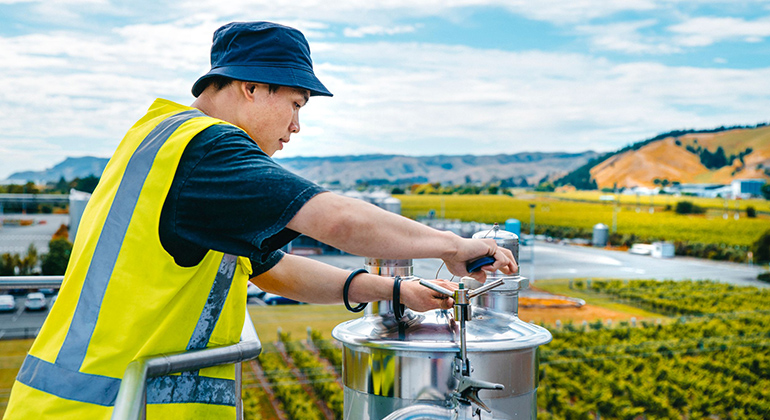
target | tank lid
x=437, y=331
x=495, y=233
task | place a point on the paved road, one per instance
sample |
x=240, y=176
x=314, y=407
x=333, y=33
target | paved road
x=567, y=261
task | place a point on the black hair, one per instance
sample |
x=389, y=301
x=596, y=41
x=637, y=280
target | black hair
x=221, y=82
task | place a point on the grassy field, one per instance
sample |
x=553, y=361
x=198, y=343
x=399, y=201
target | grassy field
x=645, y=202
x=551, y=211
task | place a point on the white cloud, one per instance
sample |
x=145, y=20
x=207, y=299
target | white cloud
x=80, y=92
x=363, y=31
x=626, y=37
x=577, y=11
x=366, y=12
x=705, y=31
x=426, y=99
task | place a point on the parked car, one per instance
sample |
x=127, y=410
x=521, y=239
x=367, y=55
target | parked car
x=7, y=303
x=272, y=299
x=35, y=302
x=253, y=291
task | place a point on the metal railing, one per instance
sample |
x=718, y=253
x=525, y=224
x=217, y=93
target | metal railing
x=30, y=282
x=131, y=400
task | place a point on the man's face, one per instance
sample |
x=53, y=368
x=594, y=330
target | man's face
x=271, y=118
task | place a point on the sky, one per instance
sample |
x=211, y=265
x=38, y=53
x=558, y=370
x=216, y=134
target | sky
x=409, y=77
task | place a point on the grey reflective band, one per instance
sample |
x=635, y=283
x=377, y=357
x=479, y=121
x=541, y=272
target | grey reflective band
x=75, y=345
x=103, y=390
x=190, y=389
x=214, y=303
x=64, y=383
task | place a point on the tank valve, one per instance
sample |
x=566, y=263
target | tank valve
x=467, y=389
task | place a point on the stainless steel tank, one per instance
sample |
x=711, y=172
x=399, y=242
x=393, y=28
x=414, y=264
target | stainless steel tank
x=413, y=368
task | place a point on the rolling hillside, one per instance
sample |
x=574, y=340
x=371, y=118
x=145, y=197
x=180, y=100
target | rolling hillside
x=521, y=168
x=690, y=158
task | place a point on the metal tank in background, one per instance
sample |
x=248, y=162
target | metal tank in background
x=476, y=361
x=601, y=235
x=504, y=299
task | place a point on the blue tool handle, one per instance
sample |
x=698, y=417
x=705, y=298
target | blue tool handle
x=477, y=264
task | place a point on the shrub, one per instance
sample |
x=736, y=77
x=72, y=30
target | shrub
x=751, y=212
x=764, y=277
x=688, y=207
x=761, y=248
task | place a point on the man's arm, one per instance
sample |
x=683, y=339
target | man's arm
x=360, y=228
x=312, y=281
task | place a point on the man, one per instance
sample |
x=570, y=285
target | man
x=189, y=208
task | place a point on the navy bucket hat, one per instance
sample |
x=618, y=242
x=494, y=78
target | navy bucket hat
x=262, y=52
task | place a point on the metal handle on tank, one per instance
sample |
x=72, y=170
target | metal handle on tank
x=467, y=390
x=462, y=297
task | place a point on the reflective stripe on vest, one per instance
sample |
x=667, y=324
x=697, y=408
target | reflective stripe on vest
x=63, y=377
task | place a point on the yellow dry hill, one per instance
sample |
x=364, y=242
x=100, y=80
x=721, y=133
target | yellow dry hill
x=670, y=159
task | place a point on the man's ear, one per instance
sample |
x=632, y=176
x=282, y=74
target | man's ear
x=248, y=89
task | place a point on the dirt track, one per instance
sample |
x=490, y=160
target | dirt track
x=576, y=315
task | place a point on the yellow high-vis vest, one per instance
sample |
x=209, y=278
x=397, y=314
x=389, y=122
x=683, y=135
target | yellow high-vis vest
x=124, y=297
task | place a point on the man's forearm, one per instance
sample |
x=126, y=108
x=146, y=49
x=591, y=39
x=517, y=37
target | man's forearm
x=311, y=281
x=364, y=229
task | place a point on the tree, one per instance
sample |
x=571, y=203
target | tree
x=28, y=263
x=766, y=191
x=61, y=233
x=8, y=264
x=87, y=184
x=55, y=261
x=62, y=186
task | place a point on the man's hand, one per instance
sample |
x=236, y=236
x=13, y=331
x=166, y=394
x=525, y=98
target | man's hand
x=473, y=249
x=420, y=298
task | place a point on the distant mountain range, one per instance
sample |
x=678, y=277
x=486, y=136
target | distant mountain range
x=715, y=156
x=69, y=169
x=518, y=169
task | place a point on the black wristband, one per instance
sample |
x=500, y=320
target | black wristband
x=345, y=289
x=398, y=308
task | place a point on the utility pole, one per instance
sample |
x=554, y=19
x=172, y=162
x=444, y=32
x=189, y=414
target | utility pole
x=727, y=210
x=532, y=249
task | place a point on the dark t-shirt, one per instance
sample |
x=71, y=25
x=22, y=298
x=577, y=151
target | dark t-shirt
x=229, y=196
